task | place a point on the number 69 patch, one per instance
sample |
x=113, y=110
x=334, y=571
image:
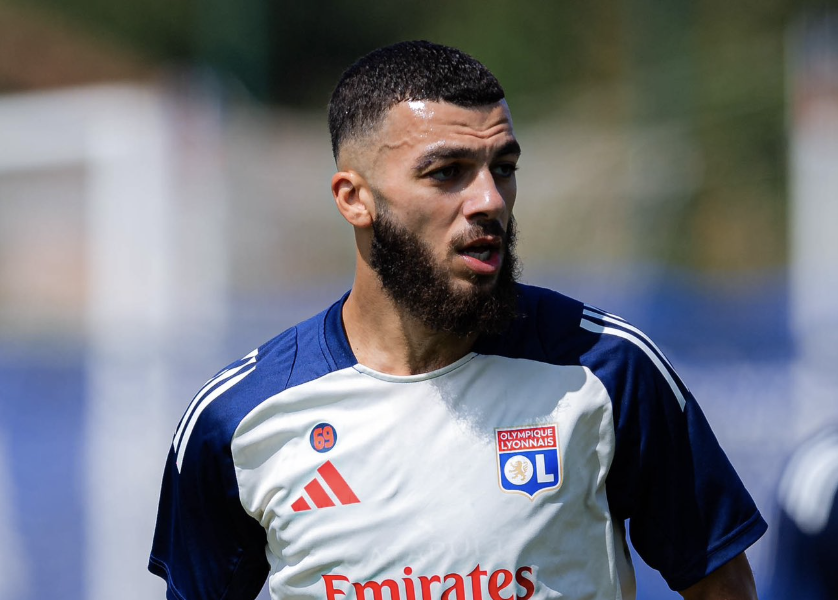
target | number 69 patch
x=323, y=437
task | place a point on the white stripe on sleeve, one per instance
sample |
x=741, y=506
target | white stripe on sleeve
x=645, y=347
x=203, y=405
x=226, y=374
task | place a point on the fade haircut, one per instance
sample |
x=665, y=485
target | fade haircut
x=405, y=72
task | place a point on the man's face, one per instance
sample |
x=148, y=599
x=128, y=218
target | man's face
x=444, y=184
x=418, y=283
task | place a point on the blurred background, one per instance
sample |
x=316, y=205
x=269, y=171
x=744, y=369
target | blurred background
x=165, y=208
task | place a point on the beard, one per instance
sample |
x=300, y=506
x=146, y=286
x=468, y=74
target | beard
x=417, y=283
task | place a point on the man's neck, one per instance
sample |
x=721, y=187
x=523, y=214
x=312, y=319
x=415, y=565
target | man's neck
x=384, y=337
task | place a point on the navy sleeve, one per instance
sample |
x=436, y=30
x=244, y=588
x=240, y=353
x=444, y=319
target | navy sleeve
x=205, y=545
x=688, y=511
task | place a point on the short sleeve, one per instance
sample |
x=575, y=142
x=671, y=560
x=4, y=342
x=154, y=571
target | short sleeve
x=687, y=509
x=205, y=545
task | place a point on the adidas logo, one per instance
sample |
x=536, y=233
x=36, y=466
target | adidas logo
x=335, y=491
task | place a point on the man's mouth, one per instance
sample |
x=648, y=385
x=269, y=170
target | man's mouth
x=479, y=254
x=482, y=255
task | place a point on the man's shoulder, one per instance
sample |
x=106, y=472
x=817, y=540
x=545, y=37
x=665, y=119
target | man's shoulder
x=301, y=353
x=297, y=355
x=548, y=308
x=552, y=327
x=546, y=328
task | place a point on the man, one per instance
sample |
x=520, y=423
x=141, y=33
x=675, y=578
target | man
x=805, y=554
x=442, y=431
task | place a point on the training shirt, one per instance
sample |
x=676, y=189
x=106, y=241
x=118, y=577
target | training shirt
x=506, y=475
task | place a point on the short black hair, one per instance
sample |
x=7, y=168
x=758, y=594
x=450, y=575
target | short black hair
x=403, y=72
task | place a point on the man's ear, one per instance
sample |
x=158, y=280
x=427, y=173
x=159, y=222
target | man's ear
x=353, y=198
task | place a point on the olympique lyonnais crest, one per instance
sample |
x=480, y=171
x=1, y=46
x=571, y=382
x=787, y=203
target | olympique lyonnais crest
x=528, y=459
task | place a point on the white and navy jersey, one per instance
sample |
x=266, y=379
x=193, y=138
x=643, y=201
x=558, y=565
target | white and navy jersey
x=507, y=475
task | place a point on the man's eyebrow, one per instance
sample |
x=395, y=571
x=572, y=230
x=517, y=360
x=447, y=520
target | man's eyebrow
x=511, y=147
x=445, y=153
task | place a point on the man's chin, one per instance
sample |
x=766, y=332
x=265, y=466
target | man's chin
x=473, y=282
x=447, y=294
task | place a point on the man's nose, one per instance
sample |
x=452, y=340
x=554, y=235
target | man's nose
x=485, y=199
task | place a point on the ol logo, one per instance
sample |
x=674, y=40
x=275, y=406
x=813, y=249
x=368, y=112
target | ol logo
x=529, y=461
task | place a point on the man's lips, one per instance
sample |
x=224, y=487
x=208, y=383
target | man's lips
x=484, y=242
x=482, y=255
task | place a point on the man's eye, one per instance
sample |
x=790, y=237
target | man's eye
x=446, y=173
x=505, y=169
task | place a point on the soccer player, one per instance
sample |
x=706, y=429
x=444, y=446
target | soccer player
x=443, y=431
x=806, y=555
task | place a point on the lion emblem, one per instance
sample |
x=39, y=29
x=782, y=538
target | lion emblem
x=518, y=470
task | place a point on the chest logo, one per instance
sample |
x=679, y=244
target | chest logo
x=328, y=488
x=529, y=461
